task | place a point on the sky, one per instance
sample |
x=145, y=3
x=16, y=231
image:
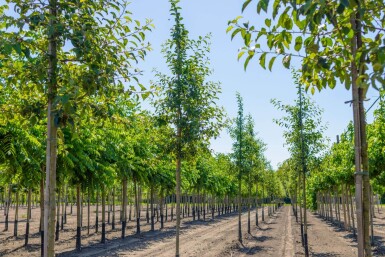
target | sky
x=256, y=85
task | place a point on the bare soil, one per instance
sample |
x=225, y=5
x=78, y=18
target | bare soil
x=278, y=236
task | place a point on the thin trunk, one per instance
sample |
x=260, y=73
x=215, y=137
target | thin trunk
x=88, y=210
x=97, y=212
x=256, y=204
x=248, y=210
x=113, y=208
x=152, y=208
x=103, y=240
x=51, y=153
x=147, y=209
x=124, y=207
x=178, y=192
x=57, y=216
x=344, y=198
x=42, y=214
x=161, y=209
x=137, y=207
x=78, y=219
x=8, y=205
x=16, y=215
x=28, y=217
x=352, y=211
x=347, y=206
x=239, y=209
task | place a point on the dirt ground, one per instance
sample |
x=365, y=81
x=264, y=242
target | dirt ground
x=278, y=236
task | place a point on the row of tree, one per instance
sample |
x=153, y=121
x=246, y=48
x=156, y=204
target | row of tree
x=71, y=126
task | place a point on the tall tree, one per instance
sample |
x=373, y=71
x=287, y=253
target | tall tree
x=187, y=100
x=90, y=45
x=238, y=134
x=303, y=135
x=336, y=40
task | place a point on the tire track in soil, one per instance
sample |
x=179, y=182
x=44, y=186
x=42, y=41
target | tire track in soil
x=273, y=238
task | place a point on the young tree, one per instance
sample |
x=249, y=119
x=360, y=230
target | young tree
x=303, y=135
x=186, y=98
x=238, y=134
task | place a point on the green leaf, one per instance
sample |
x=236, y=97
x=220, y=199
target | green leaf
x=245, y=4
x=247, y=39
x=268, y=22
x=235, y=32
x=17, y=48
x=286, y=61
x=345, y=3
x=298, y=43
x=271, y=62
x=262, y=60
x=247, y=61
x=7, y=49
x=240, y=55
x=288, y=23
x=340, y=9
x=229, y=28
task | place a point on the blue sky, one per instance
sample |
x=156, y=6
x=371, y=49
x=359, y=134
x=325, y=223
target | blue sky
x=257, y=86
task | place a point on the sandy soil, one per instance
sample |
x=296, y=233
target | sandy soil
x=278, y=236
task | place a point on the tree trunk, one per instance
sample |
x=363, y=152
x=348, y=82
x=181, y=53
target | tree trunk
x=248, y=211
x=137, y=207
x=352, y=211
x=124, y=207
x=152, y=208
x=256, y=204
x=8, y=205
x=239, y=209
x=103, y=241
x=177, y=189
x=97, y=212
x=16, y=214
x=113, y=208
x=161, y=209
x=51, y=153
x=88, y=210
x=361, y=155
x=78, y=219
x=147, y=209
x=42, y=213
x=28, y=217
x=57, y=216
x=62, y=209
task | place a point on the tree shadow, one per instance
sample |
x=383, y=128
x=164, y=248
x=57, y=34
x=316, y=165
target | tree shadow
x=130, y=243
x=325, y=254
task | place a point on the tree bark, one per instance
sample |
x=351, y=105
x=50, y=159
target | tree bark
x=28, y=217
x=78, y=218
x=16, y=214
x=51, y=154
x=57, y=216
x=361, y=154
x=124, y=207
x=103, y=240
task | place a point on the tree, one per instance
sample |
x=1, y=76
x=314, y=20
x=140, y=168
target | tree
x=186, y=99
x=338, y=40
x=303, y=135
x=102, y=46
x=238, y=134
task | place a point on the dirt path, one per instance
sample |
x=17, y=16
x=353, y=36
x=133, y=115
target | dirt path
x=204, y=239
x=326, y=240
x=272, y=239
